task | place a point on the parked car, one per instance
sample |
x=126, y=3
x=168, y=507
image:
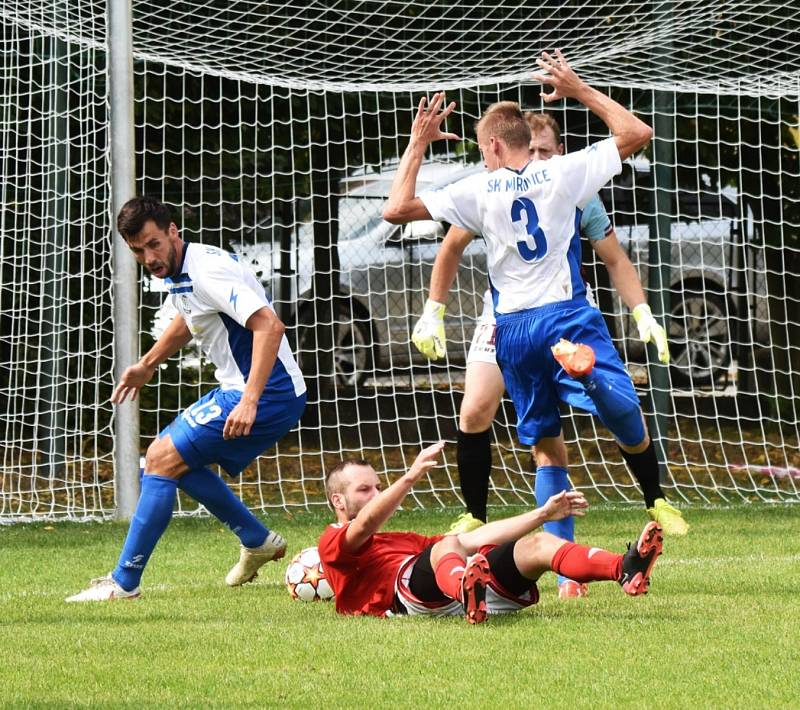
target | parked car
x=385, y=273
x=717, y=274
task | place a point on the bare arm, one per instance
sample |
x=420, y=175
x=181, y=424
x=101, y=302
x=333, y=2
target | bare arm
x=174, y=337
x=630, y=133
x=557, y=507
x=268, y=331
x=621, y=271
x=374, y=514
x=625, y=279
x=403, y=205
x=445, y=266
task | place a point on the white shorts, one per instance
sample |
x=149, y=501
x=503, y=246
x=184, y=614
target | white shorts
x=497, y=600
x=482, y=348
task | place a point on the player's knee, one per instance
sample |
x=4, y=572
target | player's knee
x=448, y=544
x=627, y=426
x=542, y=546
x=636, y=448
x=163, y=459
x=477, y=415
x=632, y=436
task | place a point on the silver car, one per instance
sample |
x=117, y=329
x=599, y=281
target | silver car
x=386, y=269
x=716, y=274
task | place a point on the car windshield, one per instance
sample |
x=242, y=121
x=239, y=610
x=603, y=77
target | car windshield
x=358, y=216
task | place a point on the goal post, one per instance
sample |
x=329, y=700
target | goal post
x=122, y=155
x=274, y=130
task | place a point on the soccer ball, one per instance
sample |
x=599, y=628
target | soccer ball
x=305, y=578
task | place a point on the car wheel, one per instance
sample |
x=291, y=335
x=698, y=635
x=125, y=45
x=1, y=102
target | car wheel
x=699, y=338
x=352, y=346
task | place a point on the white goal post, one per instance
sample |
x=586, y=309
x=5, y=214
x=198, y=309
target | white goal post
x=272, y=129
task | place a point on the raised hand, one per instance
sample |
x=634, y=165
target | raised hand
x=427, y=459
x=563, y=79
x=426, y=127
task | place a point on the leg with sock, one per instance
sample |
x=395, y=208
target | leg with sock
x=449, y=573
x=617, y=405
x=483, y=392
x=551, y=480
x=632, y=570
x=461, y=579
x=208, y=488
x=586, y=564
x=645, y=469
x=153, y=513
x=535, y=554
x=474, y=458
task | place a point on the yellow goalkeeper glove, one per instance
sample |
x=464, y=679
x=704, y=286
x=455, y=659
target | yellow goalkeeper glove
x=650, y=330
x=428, y=335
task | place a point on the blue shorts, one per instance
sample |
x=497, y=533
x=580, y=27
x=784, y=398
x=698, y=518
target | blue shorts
x=197, y=431
x=535, y=381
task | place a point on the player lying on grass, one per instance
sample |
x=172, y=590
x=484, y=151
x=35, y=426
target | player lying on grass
x=490, y=570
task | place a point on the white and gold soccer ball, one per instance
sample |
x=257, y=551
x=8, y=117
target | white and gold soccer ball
x=305, y=577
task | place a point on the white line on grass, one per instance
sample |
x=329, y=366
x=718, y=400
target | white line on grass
x=664, y=562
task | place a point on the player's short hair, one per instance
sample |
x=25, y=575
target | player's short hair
x=504, y=120
x=539, y=122
x=334, y=482
x=140, y=210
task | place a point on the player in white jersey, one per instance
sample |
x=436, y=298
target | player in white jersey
x=261, y=395
x=484, y=386
x=529, y=213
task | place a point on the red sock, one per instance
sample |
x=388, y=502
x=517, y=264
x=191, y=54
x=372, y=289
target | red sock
x=586, y=564
x=449, y=573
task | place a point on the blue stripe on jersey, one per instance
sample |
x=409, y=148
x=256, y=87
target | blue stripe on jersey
x=182, y=289
x=495, y=295
x=241, y=342
x=574, y=258
x=279, y=385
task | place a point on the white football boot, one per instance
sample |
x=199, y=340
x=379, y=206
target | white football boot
x=251, y=559
x=103, y=589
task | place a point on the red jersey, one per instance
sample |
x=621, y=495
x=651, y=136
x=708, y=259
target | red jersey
x=364, y=581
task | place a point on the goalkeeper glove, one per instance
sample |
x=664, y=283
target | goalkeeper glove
x=428, y=335
x=650, y=330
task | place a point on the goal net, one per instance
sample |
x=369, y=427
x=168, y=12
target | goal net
x=274, y=130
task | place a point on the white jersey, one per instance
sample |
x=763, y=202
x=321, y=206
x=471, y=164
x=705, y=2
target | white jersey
x=530, y=220
x=216, y=295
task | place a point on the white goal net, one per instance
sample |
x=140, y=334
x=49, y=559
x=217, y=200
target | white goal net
x=273, y=129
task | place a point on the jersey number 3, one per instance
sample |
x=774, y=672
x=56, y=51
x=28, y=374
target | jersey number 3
x=530, y=252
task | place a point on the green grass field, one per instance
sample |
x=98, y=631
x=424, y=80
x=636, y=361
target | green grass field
x=718, y=629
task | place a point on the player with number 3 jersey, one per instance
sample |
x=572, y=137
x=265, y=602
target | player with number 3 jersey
x=552, y=345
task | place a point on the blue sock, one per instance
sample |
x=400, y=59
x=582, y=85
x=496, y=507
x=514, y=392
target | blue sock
x=153, y=513
x=618, y=409
x=208, y=488
x=549, y=481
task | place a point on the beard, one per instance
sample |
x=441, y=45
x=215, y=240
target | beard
x=170, y=266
